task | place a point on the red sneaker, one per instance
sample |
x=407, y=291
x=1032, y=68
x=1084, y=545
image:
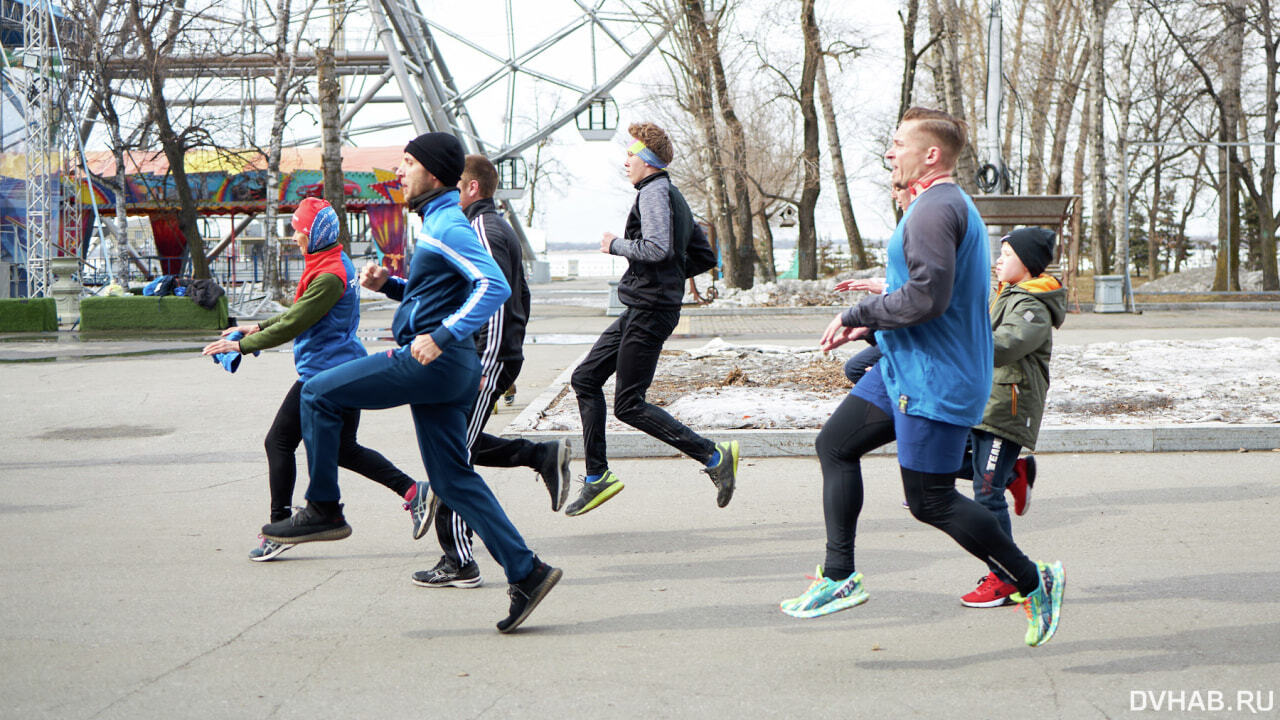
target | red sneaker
x=1024, y=478
x=991, y=592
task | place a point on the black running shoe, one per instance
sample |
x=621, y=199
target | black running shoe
x=308, y=525
x=725, y=474
x=526, y=594
x=447, y=574
x=554, y=471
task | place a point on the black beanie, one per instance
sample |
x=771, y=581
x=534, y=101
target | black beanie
x=1034, y=246
x=441, y=154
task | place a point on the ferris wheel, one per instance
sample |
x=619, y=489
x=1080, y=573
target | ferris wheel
x=570, y=53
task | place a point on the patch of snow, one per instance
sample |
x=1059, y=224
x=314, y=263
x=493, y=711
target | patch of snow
x=1194, y=280
x=1142, y=382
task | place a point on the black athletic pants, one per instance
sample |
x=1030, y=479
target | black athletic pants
x=630, y=347
x=486, y=451
x=858, y=427
x=285, y=436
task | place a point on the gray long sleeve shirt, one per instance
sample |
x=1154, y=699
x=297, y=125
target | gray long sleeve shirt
x=930, y=236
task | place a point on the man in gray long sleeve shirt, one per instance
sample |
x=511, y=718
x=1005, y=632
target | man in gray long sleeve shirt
x=657, y=236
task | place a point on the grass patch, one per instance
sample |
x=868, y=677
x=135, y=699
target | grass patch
x=28, y=315
x=150, y=313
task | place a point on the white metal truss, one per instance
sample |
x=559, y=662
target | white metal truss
x=42, y=197
x=52, y=147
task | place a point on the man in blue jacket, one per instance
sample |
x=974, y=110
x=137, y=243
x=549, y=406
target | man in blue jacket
x=930, y=387
x=453, y=287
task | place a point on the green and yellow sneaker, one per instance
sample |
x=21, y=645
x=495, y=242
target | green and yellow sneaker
x=594, y=494
x=725, y=474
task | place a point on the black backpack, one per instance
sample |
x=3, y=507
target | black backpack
x=205, y=293
x=698, y=255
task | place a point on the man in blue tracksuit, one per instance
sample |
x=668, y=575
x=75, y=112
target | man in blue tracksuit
x=453, y=287
x=930, y=387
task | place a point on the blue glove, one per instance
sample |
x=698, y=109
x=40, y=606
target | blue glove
x=230, y=361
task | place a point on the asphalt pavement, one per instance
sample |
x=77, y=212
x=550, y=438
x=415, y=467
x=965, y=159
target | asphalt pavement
x=132, y=487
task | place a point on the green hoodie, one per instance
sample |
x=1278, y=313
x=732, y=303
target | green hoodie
x=1023, y=317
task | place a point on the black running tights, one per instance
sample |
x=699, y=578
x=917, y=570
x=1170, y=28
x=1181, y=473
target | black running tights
x=858, y=427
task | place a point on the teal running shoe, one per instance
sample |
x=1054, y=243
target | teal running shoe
x=826, y=596
x=1044, y=605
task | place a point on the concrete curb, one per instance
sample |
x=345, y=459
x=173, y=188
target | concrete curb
x=1084, y=308
x=1191, y=437
x=799, y=443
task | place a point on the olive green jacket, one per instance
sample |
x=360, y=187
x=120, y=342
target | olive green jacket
x=1023, y=318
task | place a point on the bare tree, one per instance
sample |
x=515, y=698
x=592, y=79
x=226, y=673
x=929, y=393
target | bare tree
x=105, y=36
x=691, y=74
x=742, y=270
x=945, y=18
x=1225, y=49
x=287, y=83
x=174, y=41
x=1099, y=227
x=807, y=242
x=328, y=91
x=857, y=253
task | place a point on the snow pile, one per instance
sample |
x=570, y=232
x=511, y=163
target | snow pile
x=1144, y=382
x=795, y=293
x=1194, y=280
x=1234, y=380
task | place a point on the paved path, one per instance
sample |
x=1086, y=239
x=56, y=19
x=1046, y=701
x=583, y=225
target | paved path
x=131, y=489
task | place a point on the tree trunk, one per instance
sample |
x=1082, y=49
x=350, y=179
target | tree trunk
x=170, y=142
x=911, y=60
x=857, y=253
x=1153, y=225
x=807, y=243
x=283, y=79
x=911, y=57
x=534, y=178
x=1227, y=272
x=764, y=250
x=945, y=19
x=329, y=90
x=744, y=266
x=1124, y=102
x=703, y=104
x=1099, y=231
x=1268, y=220
x=1062, y=122
x=1041, y=97
x=1011, y=108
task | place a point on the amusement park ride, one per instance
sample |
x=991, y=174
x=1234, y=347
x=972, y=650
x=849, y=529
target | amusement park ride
x=392, y=51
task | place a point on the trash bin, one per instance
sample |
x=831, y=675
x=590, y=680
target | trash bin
x=1108, y=293
x=541, y=272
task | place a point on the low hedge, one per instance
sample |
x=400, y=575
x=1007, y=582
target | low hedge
x=150, y=313
x=28, y=315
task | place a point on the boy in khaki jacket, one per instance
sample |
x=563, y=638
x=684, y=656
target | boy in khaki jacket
x=1027, y=306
